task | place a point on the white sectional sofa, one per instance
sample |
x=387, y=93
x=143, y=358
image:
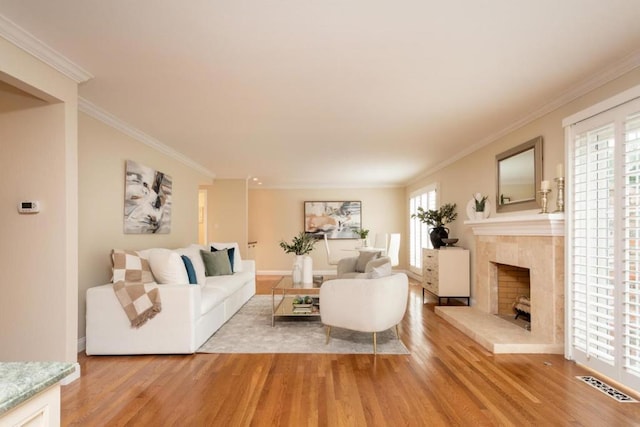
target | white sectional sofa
x=190, y=313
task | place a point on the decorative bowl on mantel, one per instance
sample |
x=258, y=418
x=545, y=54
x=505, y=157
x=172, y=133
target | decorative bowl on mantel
x=450, y=242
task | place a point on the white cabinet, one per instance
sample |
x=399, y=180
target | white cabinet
x=41, y=410
x=445, y=273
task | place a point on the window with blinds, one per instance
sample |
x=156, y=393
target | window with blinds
x=603, y=246
x=419, y=232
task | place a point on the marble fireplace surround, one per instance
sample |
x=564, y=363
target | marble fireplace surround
x=533, y=241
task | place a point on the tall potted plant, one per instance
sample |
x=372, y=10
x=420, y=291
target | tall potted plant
x=301, y=245
x=437, y=218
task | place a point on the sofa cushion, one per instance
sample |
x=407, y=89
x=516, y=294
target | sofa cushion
x=191, y=272
x=211, y=297
x=216, y=263
x=229, y=284
x=364, y=258
x=237, y=260
x=167, y=266
x=230, y=253
x=130, y=267
x=193, y=252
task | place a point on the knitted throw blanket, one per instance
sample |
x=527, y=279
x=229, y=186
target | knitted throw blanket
x=140, y=301
x=134, y=287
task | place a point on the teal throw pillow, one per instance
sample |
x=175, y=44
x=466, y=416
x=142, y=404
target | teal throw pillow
x=216, y=263
x=191, y=272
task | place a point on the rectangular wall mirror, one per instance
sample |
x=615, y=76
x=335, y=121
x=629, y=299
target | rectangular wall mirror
x=519, y=174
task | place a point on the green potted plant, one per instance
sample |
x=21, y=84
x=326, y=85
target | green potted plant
x=437, y=218
x=363, y=233
x=301, y=245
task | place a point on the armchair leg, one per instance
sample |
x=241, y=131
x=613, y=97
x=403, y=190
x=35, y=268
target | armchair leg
x=375, y=349
x=328, y=334
x=397, y=332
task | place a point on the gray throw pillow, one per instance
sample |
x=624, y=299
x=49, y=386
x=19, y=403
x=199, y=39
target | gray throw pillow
x=364, y=258
x=216, y=263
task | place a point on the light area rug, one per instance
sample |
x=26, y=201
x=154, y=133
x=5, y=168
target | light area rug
x=250, y=331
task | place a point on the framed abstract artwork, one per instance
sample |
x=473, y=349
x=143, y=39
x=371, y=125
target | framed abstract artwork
x=338, y=220
x=147, y=200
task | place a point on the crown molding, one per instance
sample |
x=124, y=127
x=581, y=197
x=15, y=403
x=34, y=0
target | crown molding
x=320, y=186
x=605, y=76
x=98, y=113
x=27, y=42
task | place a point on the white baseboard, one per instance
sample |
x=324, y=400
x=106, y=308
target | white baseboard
x=82, y=344
x=413, y=275
x=72, y=376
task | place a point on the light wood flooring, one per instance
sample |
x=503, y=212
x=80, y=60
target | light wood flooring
x=446, y=380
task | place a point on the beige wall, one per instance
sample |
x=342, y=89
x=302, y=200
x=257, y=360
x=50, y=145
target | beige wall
x=476, y=172
x=227, y=212
x=38, y=252
x=276, y=215
x=103, y=151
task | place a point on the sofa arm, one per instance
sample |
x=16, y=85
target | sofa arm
x=249, y=265
x=170, y=331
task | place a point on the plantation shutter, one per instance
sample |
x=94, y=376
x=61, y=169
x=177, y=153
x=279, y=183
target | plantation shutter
x=593, y=282
x=603, y=242
x=631, y=245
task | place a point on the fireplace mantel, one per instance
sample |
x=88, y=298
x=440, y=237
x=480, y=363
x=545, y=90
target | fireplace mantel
x=551, y=224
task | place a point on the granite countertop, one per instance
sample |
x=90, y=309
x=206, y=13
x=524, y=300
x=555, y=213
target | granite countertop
x=20, y=381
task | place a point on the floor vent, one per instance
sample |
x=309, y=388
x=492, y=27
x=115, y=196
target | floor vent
x=607, y=389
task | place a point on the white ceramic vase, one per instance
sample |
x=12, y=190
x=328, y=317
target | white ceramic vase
x=479, y=215
x=298, y=266
x=307, y=269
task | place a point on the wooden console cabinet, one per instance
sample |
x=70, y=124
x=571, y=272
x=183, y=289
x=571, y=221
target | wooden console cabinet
x=445, y=273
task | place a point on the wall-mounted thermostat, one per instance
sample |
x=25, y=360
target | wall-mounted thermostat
x=31, y=206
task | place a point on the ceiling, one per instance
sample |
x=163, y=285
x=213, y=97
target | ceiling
x=330, y=93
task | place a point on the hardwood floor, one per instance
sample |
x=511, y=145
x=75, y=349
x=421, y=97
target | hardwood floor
x=446, y=380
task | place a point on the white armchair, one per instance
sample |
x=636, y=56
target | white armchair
x=365, y=305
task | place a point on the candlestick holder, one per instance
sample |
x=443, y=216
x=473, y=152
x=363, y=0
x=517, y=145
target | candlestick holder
x=560, y=201
x=544, y=200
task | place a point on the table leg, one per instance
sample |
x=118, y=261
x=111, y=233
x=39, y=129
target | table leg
x=273, y=308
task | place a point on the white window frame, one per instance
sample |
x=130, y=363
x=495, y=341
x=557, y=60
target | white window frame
x=418, y=231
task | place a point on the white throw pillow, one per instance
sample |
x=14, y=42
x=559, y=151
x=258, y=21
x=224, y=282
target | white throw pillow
x=193, y=252
x=167, y=266
x=237, y=261
x=381, y=271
